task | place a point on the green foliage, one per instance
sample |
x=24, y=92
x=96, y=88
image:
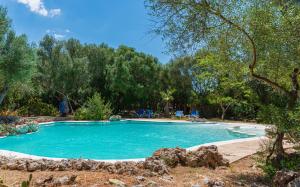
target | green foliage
x=167, y=96
x=27, y=183
x=16, y=56
x=8, y=129
x=244, y=110
x=12, y=130
x=94, y=109
x=28, y=128
x=289, y=163
x=36, y=107
x=223, y=82
x=285, y=120
x=269, y=170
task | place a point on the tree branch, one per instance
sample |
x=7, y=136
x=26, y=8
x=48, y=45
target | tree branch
x=254, y=52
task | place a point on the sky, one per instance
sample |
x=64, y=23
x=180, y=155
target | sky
x=114, y=22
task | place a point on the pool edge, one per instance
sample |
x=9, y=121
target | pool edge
x=18, y=155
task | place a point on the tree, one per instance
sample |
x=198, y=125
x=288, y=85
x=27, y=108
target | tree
x=133, y=79
x=188, y=23
x=100, y=57
x=62, y=71
x=181, y=79
x=16, y=56
x=167, y=98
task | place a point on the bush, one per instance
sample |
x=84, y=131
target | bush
x=8, y=129
x=94, y=109
x=290, y=162
x=11, y=130
x=35, y=107
x=244, y=110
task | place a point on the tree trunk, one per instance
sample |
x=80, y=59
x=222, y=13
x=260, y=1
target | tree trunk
x=279, y=145
x=3, y=92
x=167, y=111
x=293, y=97
x=223, y=114
x=224, y=109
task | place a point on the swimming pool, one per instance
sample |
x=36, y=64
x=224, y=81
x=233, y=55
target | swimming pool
x=120, y=140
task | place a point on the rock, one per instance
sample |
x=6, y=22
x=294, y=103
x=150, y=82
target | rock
x=19, y=165
x=294, y=183
x=207, y=157
x=117, y=182
x=171, y=156
x=215, y=183
x=44, y=181
x=283, y=178
x=155, y=165
x=65, y=180
x=140, y=178
x=62, y=165
x=195, y=185
x=115, y=118
x=33, y=166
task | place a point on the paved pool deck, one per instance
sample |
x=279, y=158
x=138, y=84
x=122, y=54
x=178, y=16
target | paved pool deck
x=238, y=150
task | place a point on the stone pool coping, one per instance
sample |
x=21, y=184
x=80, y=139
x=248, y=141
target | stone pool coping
x=230, y=152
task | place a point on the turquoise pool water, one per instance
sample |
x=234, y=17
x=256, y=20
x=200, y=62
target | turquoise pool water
x=117, y=140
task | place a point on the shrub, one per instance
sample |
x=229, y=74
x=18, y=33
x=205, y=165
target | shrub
x=11, y=130
x=8, y=129
x=244, y=110
x=37, y=108
x=290, y=162
x=28, y=128
x=94, y=109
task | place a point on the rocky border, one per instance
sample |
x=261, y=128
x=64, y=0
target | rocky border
x=157, y=165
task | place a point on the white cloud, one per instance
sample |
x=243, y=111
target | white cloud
x=59, y=36
x=37, y=6
x=54, y=12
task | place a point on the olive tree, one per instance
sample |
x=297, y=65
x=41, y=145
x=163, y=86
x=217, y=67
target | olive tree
x=16, y=56
x=263, y=29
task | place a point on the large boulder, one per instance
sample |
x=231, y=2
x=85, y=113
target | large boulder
x=284, y=178
x=65, y=180
x=33, y=166
x=59, y=181
x=206, y=156
x=171, y=156
x=156, y=165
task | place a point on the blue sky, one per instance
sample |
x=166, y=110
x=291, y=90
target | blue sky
x=113, y=22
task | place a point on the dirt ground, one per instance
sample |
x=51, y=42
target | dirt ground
x=241, y=173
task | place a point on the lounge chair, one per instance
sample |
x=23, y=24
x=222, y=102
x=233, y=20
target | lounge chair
x=140, y=113
x=149, y=113
x=179, y=114
x=195, y=114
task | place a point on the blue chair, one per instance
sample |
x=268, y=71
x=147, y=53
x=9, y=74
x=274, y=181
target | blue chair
x=179, y=114
x=140, y=113
x=195, y=113
x=149, y=113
